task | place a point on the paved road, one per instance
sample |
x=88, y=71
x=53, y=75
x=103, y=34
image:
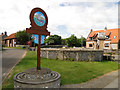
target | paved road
x=9, y=58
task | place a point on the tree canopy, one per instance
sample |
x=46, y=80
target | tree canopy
x=54, y=40
x=22, y=37
x=71, y=41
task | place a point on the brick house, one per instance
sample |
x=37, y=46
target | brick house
x=104, y=39
x=10, y=41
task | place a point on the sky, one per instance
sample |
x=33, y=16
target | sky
x=65, y=17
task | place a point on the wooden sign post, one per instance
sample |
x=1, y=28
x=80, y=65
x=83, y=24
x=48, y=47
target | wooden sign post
x=39, y=21
x=40, y=77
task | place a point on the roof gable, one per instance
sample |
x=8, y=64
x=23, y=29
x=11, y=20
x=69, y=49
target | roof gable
x=11, y=36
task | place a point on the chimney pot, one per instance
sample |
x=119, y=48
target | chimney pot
x=105, y=28
x=91, y=30
x=5, y=33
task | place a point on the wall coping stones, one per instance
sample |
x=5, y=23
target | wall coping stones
x=70, y=49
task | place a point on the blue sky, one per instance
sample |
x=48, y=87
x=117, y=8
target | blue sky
x=65, y=17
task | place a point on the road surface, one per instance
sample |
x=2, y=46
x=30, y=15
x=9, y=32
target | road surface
x=9, y=58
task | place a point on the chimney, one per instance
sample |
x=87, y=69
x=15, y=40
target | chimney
x=2, y=33
x=105, y=28
x=5, y=33
x=91, y=30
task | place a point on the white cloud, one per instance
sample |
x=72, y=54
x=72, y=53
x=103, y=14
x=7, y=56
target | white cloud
x=77, y=16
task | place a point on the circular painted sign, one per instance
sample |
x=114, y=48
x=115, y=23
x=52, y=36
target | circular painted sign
x=39, y=18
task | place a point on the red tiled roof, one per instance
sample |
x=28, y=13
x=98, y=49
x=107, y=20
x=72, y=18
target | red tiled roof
x=94, y=32
x=111, y=32
x=10, y=36
x=1, y=35
x=107, y=33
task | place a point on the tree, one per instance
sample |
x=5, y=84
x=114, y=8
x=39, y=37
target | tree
x=78, y=42
x=54, y=40
x=22, y=37
x=64, y=41
x=81, y=42
x=72, y=41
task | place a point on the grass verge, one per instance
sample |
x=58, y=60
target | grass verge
x=15, y=47
x=72, y=72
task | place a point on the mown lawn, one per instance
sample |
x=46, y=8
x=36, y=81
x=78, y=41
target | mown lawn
x=72, y=72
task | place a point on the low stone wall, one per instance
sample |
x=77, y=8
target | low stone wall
x=72, y=54
x=21, y=45
x=111, y=57
x=114, y=52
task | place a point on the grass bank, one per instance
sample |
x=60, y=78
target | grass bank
x=15, y=47
x=71, y=72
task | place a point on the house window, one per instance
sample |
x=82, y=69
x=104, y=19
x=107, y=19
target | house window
x=106, y=44
x=90, y=45
x=90, y=38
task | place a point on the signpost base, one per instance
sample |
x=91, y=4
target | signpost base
x=33, y=78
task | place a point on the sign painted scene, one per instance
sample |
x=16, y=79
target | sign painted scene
x=35, y=37
x=39, y=18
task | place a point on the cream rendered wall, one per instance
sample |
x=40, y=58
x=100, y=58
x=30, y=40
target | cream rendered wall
x=95, y=45
x=114, y=46
x=13, y=42
x=101, y=44
x=8, y=43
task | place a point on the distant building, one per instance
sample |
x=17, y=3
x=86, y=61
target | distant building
x=2, y=36
x=104, y=39
x=10, y=41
